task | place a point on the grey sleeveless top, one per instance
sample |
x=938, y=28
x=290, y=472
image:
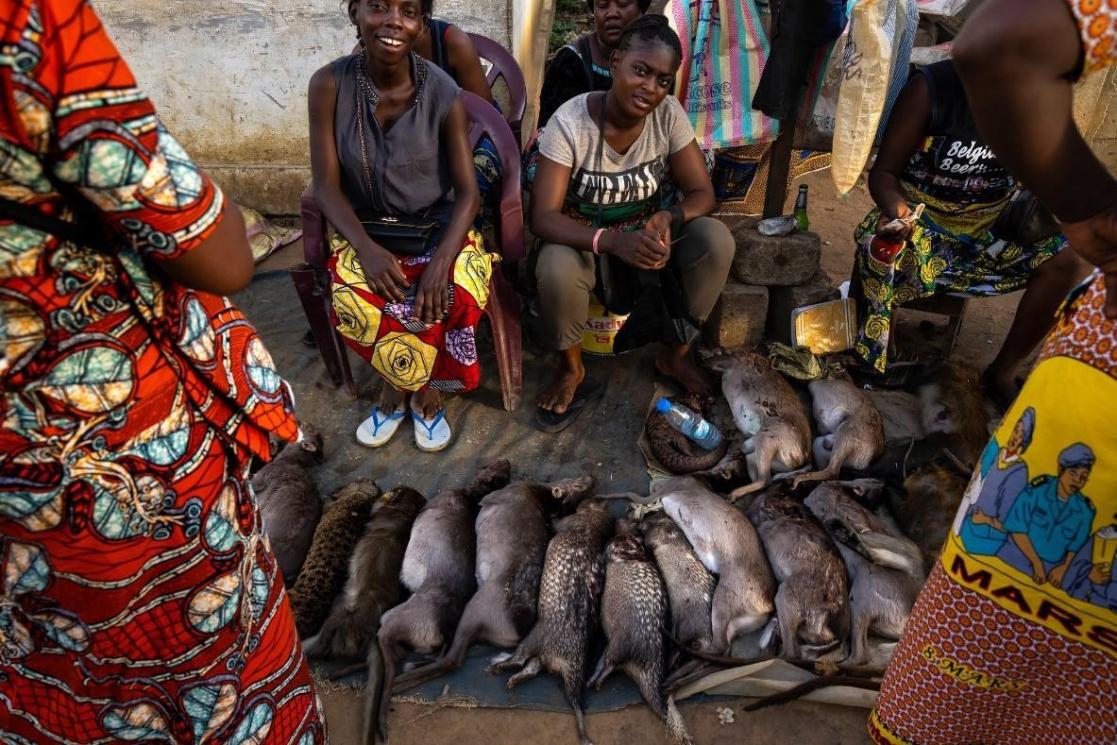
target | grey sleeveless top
x=408, y=163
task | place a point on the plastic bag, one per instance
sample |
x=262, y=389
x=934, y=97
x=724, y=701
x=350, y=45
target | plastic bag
x=945, y=8
x=875, y=63
x=725, y=47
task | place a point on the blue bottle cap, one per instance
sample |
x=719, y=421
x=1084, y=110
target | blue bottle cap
x=663, y=406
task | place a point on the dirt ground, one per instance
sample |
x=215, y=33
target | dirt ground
x=602, y=442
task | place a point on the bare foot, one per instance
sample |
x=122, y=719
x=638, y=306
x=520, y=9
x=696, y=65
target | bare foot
x=568, y=376
x=391, y=399
x=427, y=402
x=1001, y=388
x=676, y=362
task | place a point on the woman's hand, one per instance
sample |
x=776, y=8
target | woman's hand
x=660, y=226
x=891, y=231
x=432, y=299
x=383, y=272
x=640, y=249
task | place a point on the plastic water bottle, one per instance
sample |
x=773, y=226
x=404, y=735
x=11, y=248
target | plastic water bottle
x=690, y=423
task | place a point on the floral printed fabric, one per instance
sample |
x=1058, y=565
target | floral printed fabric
x=1097, y=22
x=937, y=259
x=407, y=354
x=137, y=599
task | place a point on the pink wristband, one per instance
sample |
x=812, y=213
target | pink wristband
x=596, y=240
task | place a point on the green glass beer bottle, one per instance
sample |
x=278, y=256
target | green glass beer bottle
x=802, y=222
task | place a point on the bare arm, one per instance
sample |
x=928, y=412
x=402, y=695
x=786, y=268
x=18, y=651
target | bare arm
x=221, y=264
x=1016, y=59
x=1024, y=543
x=433, y=299
x=467, y=63
x=907, y=126
x=548, y=194
x=381, y=269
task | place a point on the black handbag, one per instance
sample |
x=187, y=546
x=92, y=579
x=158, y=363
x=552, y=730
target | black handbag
x=404, y=236
x=1025, y=221
x=401, y=235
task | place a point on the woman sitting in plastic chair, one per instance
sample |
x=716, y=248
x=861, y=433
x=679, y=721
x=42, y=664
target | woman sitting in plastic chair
x=390, y=155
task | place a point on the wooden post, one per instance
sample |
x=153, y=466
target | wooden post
x=779, y=164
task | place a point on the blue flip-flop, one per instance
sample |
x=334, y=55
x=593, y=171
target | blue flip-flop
x=379, y=427
x=431, y=435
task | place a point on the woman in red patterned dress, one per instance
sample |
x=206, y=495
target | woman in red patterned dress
x=138, y=601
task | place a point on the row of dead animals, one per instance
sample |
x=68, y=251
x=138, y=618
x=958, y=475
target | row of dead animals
x=482, y=563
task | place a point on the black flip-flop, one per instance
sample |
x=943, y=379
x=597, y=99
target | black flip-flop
x=550, y=422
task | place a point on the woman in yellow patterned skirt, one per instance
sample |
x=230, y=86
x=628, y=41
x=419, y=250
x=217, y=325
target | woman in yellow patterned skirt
x=389, y=138
x=931, y=153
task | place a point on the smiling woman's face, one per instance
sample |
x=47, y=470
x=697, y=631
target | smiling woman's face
x=642, y=76
x=389, y=28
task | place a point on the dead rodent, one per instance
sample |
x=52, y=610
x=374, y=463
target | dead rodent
x=675, y=451
x=633, y=613
x=727, y=544
x=769, y=415
x=812, y=602
x=954, y=414
x=690, y=586
x=569, y=598
x=372, y=577
x=324, y=570
x=851, y=430
x=512, y=534
x=438, y=571
x=881, y=596
x=289, y=503
x=926, y=507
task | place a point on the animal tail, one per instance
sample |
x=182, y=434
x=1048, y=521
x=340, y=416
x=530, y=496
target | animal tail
x=891, y=552
x=741, y=491
x=676, y=725
x=631, y=496
x=372, y=694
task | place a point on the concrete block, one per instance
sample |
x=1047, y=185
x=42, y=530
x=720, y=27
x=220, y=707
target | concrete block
x=775, y=261
x=783, y=300
x=739, y=316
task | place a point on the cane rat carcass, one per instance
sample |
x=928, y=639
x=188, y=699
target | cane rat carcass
x=851, y=429
x=690, y=586
x=569, y=598
x=633, y=614
x=881, y=597
x=812, y=602
x=324, y=570
x=726, y=543
x=288, y=501
x=768, y=414
x=512, y=536
x=438, y=570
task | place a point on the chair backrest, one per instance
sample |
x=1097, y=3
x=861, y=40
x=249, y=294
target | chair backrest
x=485, y=119
x=503, y=65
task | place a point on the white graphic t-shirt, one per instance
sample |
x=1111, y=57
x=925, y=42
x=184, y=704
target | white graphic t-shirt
x=626, y=186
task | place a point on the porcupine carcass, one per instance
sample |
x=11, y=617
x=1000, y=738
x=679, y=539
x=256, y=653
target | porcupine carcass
x=512, y=534
x=438, y=570
x=675, y=451
x=633, y=613
x=569, y=597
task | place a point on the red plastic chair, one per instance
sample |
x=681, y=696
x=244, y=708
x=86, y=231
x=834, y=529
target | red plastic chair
x=312, y=280
x=504, y=65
